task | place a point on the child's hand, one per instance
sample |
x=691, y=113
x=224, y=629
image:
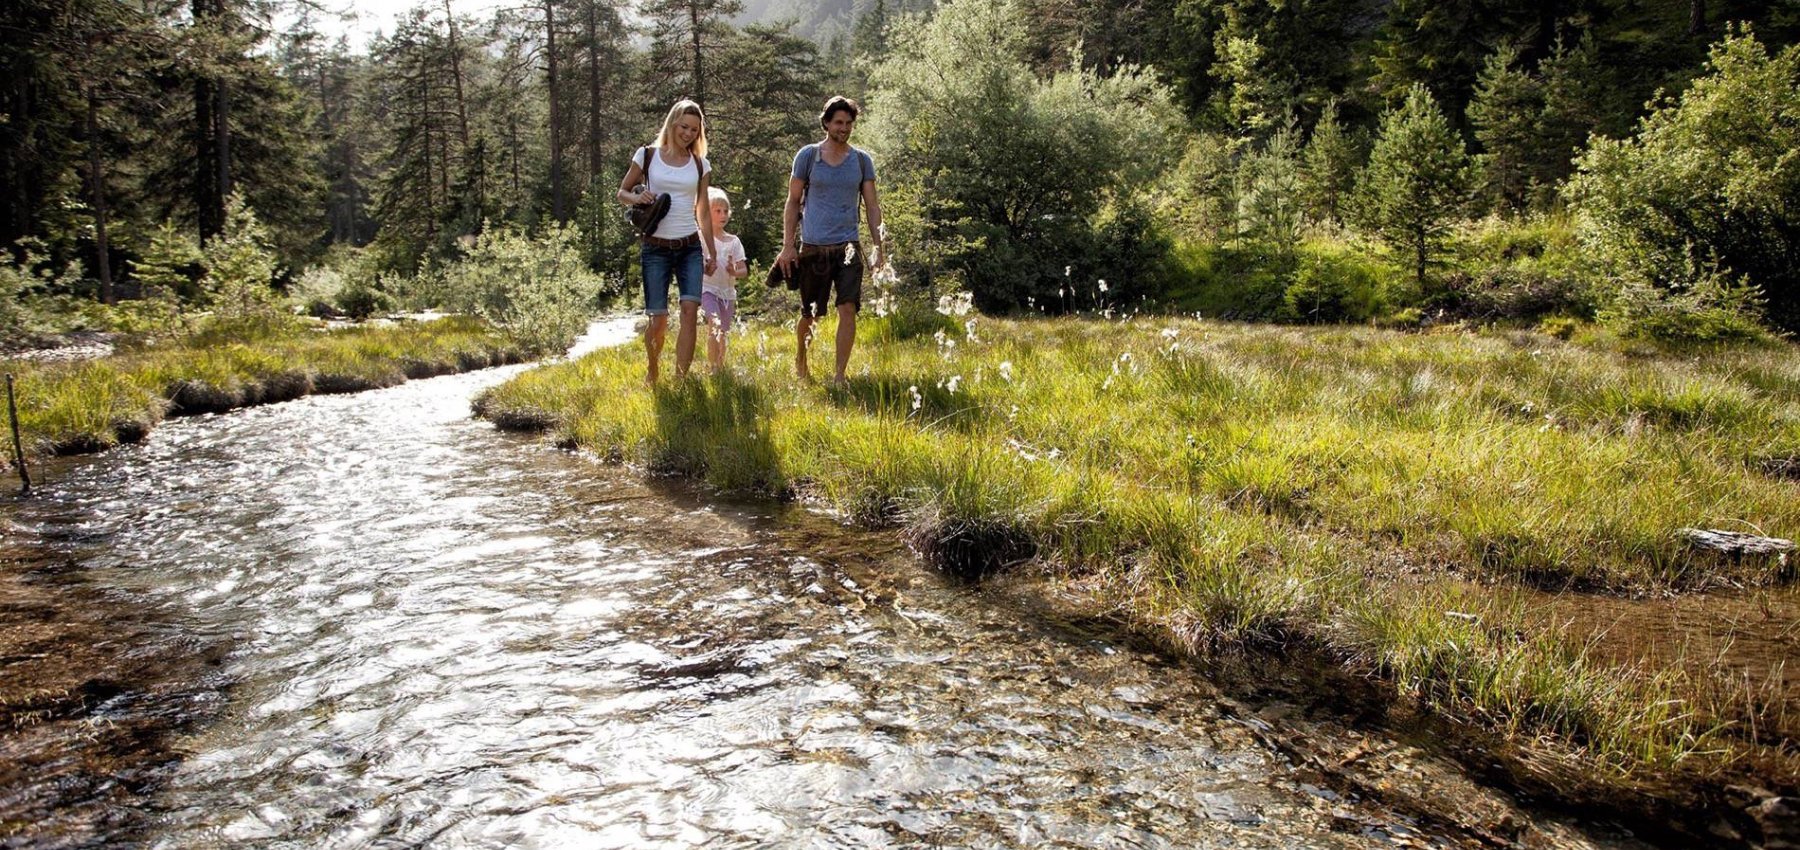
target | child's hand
x=740, y=268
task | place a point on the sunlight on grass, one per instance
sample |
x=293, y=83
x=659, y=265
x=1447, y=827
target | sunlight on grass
x=1257, y=486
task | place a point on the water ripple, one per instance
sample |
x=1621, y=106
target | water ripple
x=444, y=636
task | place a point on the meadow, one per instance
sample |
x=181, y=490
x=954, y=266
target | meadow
x=1405, y=505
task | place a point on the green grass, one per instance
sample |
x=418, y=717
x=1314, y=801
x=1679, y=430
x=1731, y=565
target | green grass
x=88, y=406
x=1255, y=486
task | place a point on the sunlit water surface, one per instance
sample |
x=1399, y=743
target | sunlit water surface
x=446, y=636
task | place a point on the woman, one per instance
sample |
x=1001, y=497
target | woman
x=681, y=247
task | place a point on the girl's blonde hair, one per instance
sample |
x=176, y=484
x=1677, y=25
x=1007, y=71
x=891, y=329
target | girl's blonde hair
x=682, y=107
x=716, y=195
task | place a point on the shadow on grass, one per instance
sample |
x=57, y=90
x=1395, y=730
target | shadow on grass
x=717, y=428
x=894, y=396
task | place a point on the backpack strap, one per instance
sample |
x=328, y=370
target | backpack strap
x=647, y=166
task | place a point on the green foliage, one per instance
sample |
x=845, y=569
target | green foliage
x=1713, y=310
x=171, y=265
x=1706, y=191
x=1332, y=284
x=1504, y=112
x=1517, y=269
x=240, y=266
x=1198, y=193
x=539, y=290
x=1016, y=210
x=1328, y=167
x=1416, y=182
x=1327, y=281
x=1269, y=198
x=1530, y=126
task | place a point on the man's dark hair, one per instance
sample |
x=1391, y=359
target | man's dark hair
x=839, y=103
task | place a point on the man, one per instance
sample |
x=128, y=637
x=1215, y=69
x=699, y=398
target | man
x=830, y=178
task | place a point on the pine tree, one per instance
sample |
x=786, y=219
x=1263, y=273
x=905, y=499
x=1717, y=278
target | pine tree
x=683, y=33
x=1328, y=167
x=1416, y=182
x=1505, y=113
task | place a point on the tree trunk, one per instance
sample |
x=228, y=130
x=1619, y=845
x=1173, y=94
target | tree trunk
x=699, y=72
x=97, y=197
x=222, y=139
x=595, y=166
x=556, y=143
x=512, y=146
x=208, y=205
x=462, y=110
x=1696, y=17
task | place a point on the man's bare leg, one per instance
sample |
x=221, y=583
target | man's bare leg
x=846, y=338
x=802, y=338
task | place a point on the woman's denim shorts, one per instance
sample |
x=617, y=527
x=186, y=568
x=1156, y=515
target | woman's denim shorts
x=685, y=265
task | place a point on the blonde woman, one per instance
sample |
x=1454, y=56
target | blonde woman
x=681, y=246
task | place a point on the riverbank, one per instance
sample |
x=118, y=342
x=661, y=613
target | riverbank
x=75, y=406
x=1427, y=511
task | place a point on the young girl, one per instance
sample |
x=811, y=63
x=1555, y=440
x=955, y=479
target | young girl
x=681, y=248
x=718, y=295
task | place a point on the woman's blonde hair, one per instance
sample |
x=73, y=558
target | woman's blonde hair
x=682, y=107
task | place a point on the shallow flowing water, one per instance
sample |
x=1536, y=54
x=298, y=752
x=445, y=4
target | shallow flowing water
x=440, y=635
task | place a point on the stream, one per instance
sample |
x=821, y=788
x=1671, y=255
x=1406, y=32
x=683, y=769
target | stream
x=428, y=633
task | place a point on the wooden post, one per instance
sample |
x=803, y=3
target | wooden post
x=12, y=412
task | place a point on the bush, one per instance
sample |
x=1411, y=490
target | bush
x=315, y=292
x=1717, y=310
x=1708, y=187
x=539, y=290
x=362, y=297
x=1504, y=294
x=1016, y=212
x=1333, y=286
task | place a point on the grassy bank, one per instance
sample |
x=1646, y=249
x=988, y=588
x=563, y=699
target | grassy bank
x=1390, y=500
x=67, y=408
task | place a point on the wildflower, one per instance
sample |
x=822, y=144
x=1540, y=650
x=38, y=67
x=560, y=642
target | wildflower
x=1006, y=371
x=952, y=383
x=1067, y=270
x=849, y=253
x=918, y=401
x=1170, y=333
x=969, y=330
x=1103, y=284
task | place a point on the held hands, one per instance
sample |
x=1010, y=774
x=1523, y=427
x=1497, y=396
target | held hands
x=711, y=263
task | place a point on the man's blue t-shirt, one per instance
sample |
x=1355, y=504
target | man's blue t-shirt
x=830, y=213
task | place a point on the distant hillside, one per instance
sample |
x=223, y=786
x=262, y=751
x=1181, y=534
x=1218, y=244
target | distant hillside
x=820, y=20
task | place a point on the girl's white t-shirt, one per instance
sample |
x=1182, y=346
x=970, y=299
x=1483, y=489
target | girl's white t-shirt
x=720, y=283
x=682, y=183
